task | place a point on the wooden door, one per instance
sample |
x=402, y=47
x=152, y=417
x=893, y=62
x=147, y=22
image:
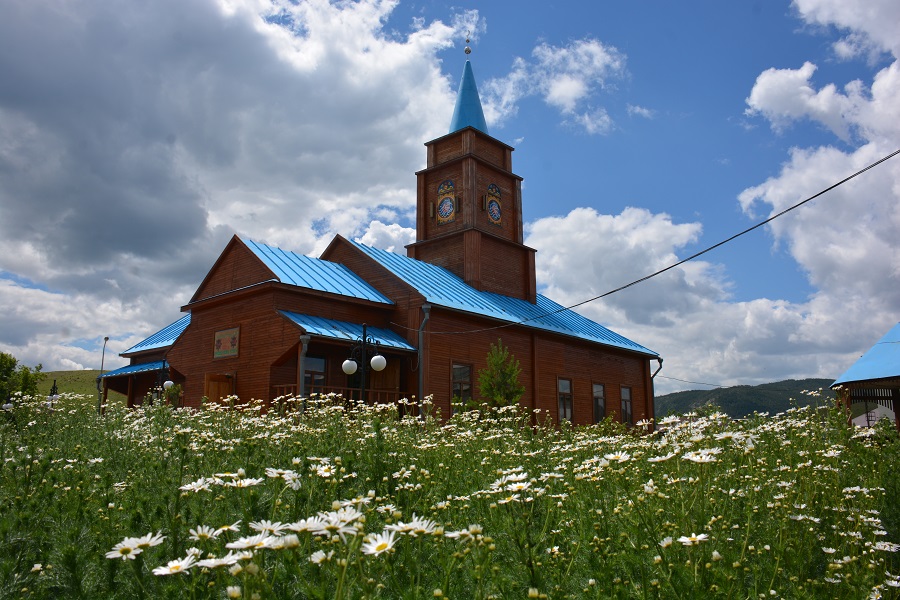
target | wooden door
x=218, y=386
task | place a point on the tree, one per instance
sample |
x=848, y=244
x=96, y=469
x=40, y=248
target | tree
x=499, y=383
x=15, y=377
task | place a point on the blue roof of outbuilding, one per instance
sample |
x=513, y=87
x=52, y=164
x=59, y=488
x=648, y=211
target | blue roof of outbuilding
x=140, y=368
x=468, y=111
x=316, y=274
x=882, y=361
x=344, y=330
x=163, y=338
x=441, y=287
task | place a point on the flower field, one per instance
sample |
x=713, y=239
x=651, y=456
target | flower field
x=355, y=502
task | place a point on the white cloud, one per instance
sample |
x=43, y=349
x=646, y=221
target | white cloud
x=786, y=95
x=136, y=139
x=391, y=237
x=686, y=314
x=595, y=122
x=640, y=111
x=870, y=24
x=845, y=241
x=565, y=77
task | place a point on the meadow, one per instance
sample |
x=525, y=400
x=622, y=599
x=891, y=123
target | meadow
x=331, y=500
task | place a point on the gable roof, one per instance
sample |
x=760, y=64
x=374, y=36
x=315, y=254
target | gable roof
x=436, y=284
x=882, y=361
x=315, y=274
x=468, y=111
x=163, y=338
x=442, y=288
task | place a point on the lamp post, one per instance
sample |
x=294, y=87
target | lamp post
x=361, y=352
x=100, y=377
x=166, y=385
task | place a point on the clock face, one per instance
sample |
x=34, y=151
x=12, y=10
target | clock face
x=494, y=212
x=445, y=208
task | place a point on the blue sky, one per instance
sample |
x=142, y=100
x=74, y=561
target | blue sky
x=137, y=141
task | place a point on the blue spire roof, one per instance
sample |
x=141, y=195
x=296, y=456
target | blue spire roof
x=468, y=112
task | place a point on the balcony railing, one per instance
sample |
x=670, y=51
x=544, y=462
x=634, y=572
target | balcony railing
x=373, y=395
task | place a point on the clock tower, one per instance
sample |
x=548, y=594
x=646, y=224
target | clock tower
x=469, y=205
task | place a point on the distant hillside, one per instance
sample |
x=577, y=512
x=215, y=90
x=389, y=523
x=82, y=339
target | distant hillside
x=74, y=382
x=742, y=400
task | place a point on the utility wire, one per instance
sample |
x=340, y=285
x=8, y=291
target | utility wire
x=680, y=262
x=716, y=385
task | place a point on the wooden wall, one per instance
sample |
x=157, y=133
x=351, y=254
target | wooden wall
x=236, y=268
x=543, y=357
x=265, y=337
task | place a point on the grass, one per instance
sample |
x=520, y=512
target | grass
x=75, y=383
x=355, y=502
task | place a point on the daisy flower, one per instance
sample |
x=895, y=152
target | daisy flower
x=266, y=526
x=379, y=543
x=204, y=532
x=693, y=539
x=224, y=561
x=260, y=540
x=318, y=557
x=126, y=550
x=149, y=540
x=180, y=565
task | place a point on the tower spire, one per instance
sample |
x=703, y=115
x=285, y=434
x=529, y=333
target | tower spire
x=468, y=111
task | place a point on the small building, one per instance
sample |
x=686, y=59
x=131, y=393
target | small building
x=874, y=381
x=266, y=322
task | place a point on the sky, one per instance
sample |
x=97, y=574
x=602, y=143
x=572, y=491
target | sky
x=137, y=137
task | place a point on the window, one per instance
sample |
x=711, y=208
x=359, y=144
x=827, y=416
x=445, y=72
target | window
x=599, y=402
x=461, y=386
x=314, y=376
x=564, y=387
x=627, y=414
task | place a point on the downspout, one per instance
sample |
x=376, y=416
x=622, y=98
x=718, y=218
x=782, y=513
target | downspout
x=653, y=392
x=426, y=308
x=658, y=369
x=301, y=369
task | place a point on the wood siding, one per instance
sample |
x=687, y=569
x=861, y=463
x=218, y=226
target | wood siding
x=237, y=268
x=543, y=358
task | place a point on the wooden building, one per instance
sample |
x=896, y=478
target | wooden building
x=266, y=322
x=874, y=381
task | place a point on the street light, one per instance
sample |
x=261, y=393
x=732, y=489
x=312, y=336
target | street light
x=361, y=352
x=100, y=377
x=166, y=385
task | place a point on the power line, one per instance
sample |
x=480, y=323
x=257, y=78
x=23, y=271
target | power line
x=694, y=382
x=676, y=264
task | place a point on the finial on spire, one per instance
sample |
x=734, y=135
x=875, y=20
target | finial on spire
x=468, y=111
x=468, y=50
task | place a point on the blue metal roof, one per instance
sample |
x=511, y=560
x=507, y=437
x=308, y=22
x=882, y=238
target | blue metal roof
x=344, y=330
x=141, y=368
x=442, y=288
x=163, y=338
x=468, y=111
x=882, y=361
x=316, y=274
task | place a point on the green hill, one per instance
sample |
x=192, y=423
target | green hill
x=75, y=382
x=742, y=400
